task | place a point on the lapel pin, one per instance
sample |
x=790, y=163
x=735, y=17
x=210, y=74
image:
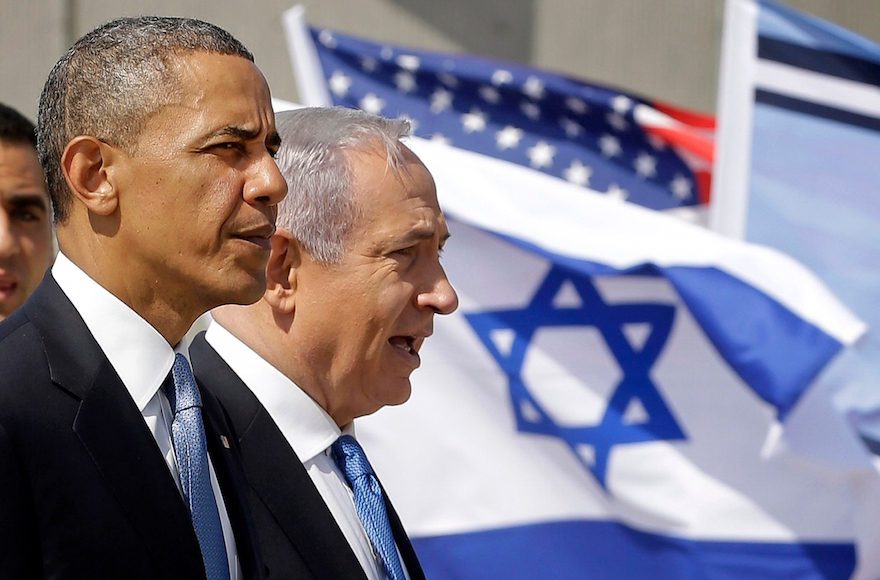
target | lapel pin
x=224, y=441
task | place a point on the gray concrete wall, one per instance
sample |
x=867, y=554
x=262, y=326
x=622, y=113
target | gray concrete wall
x=665, y=49
x=32, y=37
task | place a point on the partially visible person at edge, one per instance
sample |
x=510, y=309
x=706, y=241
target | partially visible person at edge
x=353, y=283
x=157, y=138
x=25, y=225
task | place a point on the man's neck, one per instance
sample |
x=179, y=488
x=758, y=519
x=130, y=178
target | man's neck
x=170, y=316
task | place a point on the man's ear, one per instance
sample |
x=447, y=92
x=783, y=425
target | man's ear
x=284, y=260
x=85, y=163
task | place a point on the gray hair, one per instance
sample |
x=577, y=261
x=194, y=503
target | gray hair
x=111, y=81
x=320, y=207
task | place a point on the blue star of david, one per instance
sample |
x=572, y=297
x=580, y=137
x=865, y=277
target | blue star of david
x=635, y=364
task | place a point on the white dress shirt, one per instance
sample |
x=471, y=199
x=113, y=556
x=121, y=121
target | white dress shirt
x=142, y=358
x=309, y=430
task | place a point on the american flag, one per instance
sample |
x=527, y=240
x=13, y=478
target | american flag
x=645, y=152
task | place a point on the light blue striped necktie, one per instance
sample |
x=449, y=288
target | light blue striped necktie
x=369, y=502
x=190, y=447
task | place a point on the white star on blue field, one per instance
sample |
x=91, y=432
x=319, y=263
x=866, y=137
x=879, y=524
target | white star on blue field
x=635, y=364
x=585, y=134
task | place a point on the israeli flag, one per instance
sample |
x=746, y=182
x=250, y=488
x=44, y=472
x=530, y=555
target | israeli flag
x=620, y=395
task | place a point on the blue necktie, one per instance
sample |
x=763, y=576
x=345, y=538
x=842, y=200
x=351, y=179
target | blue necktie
x=188, y=435
x=369, y=502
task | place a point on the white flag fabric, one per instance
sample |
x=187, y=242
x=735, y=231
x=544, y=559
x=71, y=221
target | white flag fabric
x=615, y=396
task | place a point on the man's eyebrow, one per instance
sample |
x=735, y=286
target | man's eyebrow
x=23, y=200
x=273, y=139
x=233, y=131
x=422, y=233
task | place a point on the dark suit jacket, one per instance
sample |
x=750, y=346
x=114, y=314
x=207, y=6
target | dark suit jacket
x=298, y=535
x=84, y=490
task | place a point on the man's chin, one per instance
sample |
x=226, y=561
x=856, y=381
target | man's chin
x=253, y=294
x=251, y=287
x=401, y=394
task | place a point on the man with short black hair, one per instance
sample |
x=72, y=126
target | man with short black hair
x=157, y=137
x=25, y=225
x=354, y=281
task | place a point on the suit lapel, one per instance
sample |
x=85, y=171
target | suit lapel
x=288, y=492
x=276, y=474
x=115, y=435
x=404, y=546
x=227, y=466
x=137, y=474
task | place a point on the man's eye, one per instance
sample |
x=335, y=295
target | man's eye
x=407, y=251
x=229, y=145
x=25, y=215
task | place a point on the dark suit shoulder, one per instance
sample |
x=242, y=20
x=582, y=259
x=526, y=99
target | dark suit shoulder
x=25, y=378
x=12, y=322
x=215, y=376
x=298, y=534
x=86, y=492
x=20, y=343
x=21, y=349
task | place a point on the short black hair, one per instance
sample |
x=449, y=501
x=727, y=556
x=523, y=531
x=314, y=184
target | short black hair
x=111, y=81
x=15, y=127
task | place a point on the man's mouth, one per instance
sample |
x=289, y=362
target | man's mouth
x=408, y=346
x=261, y=241
x=8, y=284
x=258, y=236
x=404, y=343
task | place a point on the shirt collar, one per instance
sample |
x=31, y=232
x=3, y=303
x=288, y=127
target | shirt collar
x=307, y=427
x=140, y=355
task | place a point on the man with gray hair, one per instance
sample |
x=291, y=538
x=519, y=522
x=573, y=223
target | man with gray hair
x=157, y=138
x=353, y=283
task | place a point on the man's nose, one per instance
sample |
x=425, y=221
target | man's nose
x=266, y=185
x=8, y=240
x=441, y=296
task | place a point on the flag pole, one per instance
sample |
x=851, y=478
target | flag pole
x=730, y=175
x=304, y=58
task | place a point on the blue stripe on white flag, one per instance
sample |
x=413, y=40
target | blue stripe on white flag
x=600, y=549
x=816, y=110
x=820, y=61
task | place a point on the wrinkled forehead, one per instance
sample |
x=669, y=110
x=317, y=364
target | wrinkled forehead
x=396, y=209
x=381, y=176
